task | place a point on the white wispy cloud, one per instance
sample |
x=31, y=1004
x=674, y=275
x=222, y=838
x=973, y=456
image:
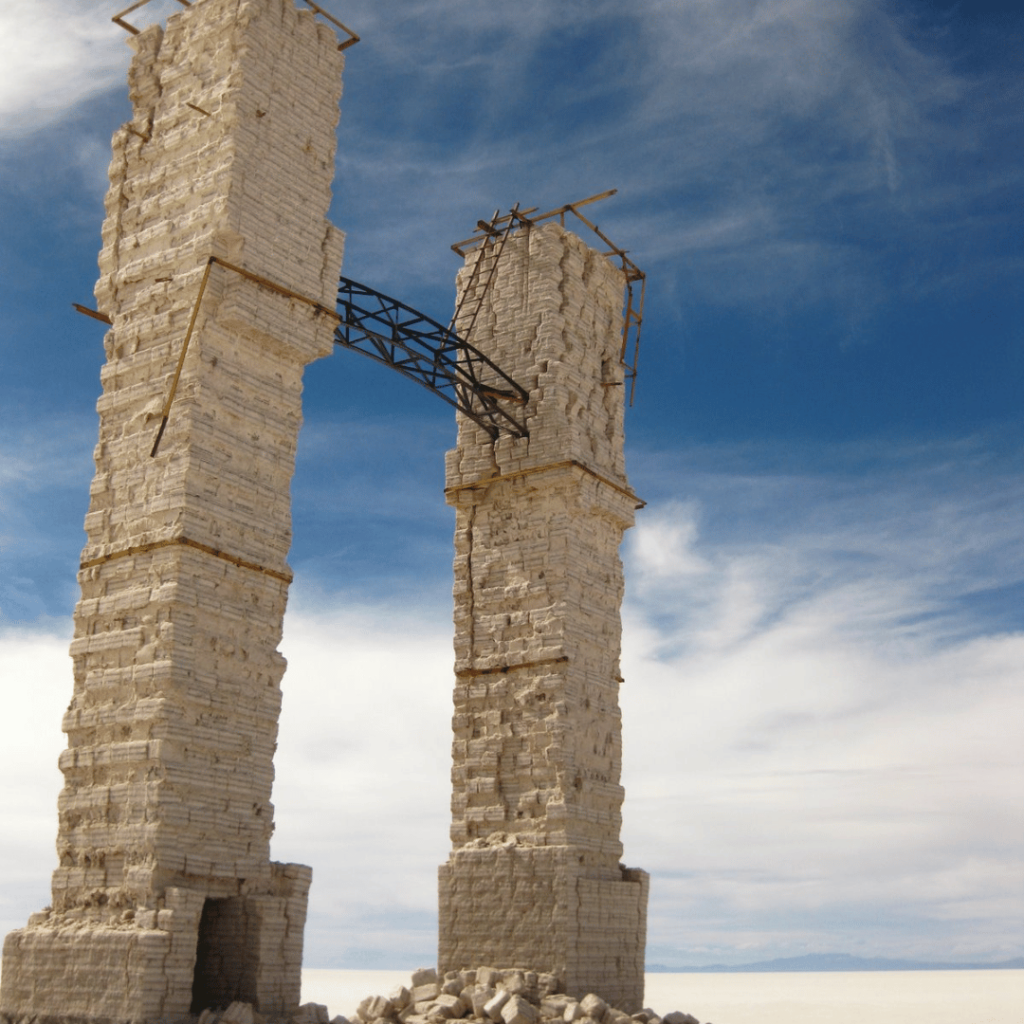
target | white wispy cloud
x=820, y=731
x=36, y=674
x=362, y=792
x=44, y=488
x=54, y=55
x=761, y=150
x=757, y=146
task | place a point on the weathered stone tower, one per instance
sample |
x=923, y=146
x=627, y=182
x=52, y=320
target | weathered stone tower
x=534, y=878
x=165, y=897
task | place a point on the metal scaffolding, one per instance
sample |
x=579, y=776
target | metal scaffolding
x=635, y=279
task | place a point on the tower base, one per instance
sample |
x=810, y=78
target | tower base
x=99, y=966
x=511, y=905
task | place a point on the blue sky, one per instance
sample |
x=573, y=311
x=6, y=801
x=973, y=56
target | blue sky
x=824, y=638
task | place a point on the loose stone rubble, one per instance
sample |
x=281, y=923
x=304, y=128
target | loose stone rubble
x=534, y=875
x=165, y=897
x=483, y=995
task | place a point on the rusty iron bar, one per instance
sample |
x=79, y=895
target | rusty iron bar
x=200, y=109
x=579, y=202
x=523, y=215
x=102, y=317
x=352, y=37
x=475, y=673
x=518, y=474
x=264, y=282
x=281, y=289
x=145, y=549
x=633, y=303
x=496, y=242
x=166, y=411
x=633, y=319
x=597, y=231
x=118, y=19
x=633, y=323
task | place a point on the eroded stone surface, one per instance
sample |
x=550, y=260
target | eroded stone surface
x=536, y=996
x=165, y=816
x=534, y=875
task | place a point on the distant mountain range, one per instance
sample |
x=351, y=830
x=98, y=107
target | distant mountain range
x=835, y=962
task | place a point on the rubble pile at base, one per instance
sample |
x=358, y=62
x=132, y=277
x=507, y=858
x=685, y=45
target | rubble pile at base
x=485, y=996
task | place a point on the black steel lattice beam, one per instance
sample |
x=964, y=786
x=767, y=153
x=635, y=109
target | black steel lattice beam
x=392, y=333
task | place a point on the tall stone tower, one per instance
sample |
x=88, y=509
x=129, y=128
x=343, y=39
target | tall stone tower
x=165, y=898
x=534, y=878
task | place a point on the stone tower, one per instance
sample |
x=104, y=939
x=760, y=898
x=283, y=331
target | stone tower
x=534, y=878
x=165, y=898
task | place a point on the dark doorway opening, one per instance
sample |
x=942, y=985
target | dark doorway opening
x=227, y=955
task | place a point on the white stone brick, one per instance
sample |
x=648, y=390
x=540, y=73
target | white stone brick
x=494, y=1006
x=538, y=590
x=519, y=1011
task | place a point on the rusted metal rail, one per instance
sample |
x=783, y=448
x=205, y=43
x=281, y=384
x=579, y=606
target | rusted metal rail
x=635, y=279
x=118, y=19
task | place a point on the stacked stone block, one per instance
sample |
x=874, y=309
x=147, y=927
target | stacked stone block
x=165, y=816
x=535, y=876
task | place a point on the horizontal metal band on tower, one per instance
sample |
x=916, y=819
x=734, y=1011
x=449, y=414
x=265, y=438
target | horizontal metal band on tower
x=484, y=482
x=185, y=542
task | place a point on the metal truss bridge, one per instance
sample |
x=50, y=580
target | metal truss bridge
x=421, y=349
x=441, y=358
x=437, y=357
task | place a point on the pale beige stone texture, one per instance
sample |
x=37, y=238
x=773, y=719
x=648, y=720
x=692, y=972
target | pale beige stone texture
x=536, y=1002
x=165, y=897
x=534, y=876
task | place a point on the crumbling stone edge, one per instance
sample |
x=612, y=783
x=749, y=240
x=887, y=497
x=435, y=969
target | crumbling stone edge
x=486, y=996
